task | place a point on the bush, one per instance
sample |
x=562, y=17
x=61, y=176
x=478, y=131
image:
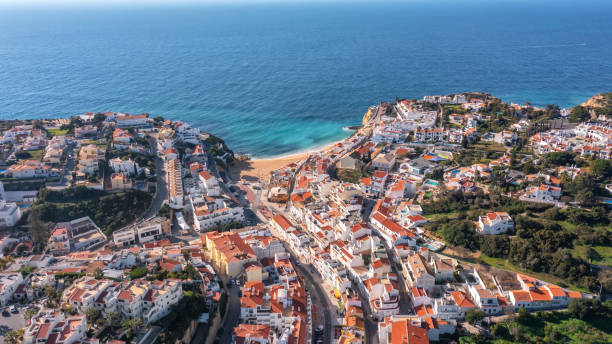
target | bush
x=108, y=211
x=474, y=315
x=495, y=245
x=460, y=233
x=138, y=273
x=585, y=308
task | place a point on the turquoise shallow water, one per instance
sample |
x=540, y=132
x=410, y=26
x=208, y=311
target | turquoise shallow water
x=274, y=79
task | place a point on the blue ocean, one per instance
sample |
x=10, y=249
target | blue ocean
x=278, y=78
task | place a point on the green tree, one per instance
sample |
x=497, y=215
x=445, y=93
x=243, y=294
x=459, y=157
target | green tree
x=474, y=315
x=460, y=233
x=130, y=326
x=98, y=273
x=601, y=169
x=584, y=308
x=13, y=337
x=98, y=118
x=495, y=245
x=138, y=272
x=473, y=339
x=111, y=318
x=500, y=331
x=52, y=296
x=579, y=114
x=69, y=310
x=29, y=313
x=39, y=230
x=524, y=317
x=92, y=315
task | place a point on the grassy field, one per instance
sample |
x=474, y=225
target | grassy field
x=565, y=329
x=348, y=175
x=454, y=107
x=57, y=132
x=489, y=146
x=37, y=154
x=602, y=254
x=436, y=216
x=30, y=155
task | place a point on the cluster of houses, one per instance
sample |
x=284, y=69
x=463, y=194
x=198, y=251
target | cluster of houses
x=364, y=237
x=76, y=235
x=587, y=139
x=192, y=186
x=111, y=291
x=377, y=260
x=56, y=150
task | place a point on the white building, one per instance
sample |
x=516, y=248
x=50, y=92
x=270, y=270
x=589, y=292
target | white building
x=143, y=232
x=543, y=193
x=51, y=326
x=209, y=212
x=77, y=235
x=26, y=169
x=128, y=166
x=10, y=214
x=495, y=223
x=387, y=134
x=209, y=183
x=89, y=157
x=9, y=282
x=418, y=272
x=174, y=181
x=135, y=121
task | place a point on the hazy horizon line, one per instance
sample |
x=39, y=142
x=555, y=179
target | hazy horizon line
x=131, y=3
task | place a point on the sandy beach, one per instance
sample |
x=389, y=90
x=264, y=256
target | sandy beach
x=255, y=169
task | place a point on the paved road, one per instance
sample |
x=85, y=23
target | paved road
x=371, y=325
x=318, y=295
x=67, y=170
x=232, y=314
x=312, y=280
x=161, y=190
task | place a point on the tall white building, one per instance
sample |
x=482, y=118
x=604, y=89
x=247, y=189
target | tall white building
x=10, y=213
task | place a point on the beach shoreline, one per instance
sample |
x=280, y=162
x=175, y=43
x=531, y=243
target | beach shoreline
x=318, y=148
x=259, y=169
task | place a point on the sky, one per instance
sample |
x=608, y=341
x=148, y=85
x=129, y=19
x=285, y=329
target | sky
x=173, y=2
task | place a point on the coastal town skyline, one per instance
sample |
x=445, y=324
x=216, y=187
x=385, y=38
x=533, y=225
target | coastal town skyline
x=368, y=237
x=305, y=172
x=311, y=69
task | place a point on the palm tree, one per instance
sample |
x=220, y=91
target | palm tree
x=111, y=318
x=98, y=273
x=13, y=337
x=130, y=325
x=29, y=313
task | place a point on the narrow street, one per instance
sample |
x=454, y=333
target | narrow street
x=232, y=314
x=161, y=190
x=320, y=300
x=371, y=325
x=312, y=281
